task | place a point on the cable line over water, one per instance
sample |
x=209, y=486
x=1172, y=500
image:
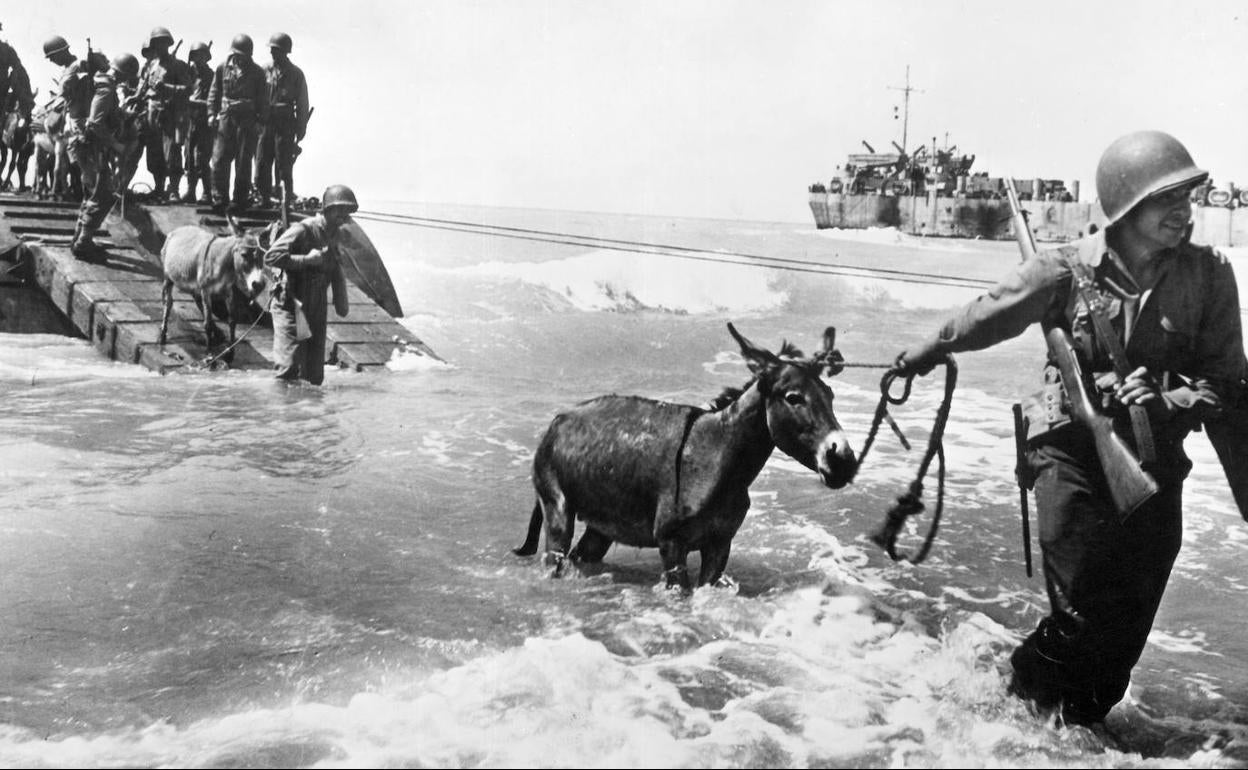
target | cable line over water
x=668, y=250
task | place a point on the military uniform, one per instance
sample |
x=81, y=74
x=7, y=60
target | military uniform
x=304, y=285
x=1105, y=577
x=288, y=120
x=238, y=103
x=94, y=155
x=166, y=83
x=198, y=161
x=14, y=83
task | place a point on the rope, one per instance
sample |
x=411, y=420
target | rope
x=666, y=250
x=910, y=503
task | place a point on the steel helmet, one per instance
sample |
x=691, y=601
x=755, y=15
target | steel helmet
x=158, y=34
x=281, y=41
x=199, y=47
x=242, y=44
x=54, y=45
x=339, y=195
x=1141, y=164
x=126, y=65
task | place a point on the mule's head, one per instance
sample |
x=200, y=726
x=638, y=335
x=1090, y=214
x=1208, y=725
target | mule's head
x=250, y=273
x=799, y=408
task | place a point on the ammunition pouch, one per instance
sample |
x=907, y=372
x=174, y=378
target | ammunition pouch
x=1048, y=408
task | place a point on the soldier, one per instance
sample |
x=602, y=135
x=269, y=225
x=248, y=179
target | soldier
x=16, y=104
x=1173, y=306
x=199, y=134
x=307, y=257
x=237, y=102
x=97, y=147
x=74, y=88
x=126, y=162
x=14, y=82
x=288, y=121
x=165, y=87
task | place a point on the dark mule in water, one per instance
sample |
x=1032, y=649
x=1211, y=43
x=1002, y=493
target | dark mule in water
x=652, y=474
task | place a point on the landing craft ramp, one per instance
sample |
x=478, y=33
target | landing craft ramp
x=116, y=302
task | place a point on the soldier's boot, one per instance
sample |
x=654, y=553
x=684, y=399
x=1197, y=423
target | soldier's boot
x=158, y=192
x=189, y=197
x=175, y=181
x=83, y=246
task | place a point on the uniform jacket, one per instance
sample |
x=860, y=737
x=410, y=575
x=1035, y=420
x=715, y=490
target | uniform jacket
x=288, y=93
x=104, y=123
x=301, y=238
x=239, y=87
x=1186, y=330
x=76, y=90
x=167, y=81
x=201, y=85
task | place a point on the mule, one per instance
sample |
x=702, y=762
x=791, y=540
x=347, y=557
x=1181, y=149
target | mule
x=19, y=146
x=209, y=267
x=650, y=474
x=53, y=170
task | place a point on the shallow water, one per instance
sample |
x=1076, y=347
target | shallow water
x=219, y=571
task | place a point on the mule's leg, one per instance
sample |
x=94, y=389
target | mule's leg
x=559, y=525
x=592, y=546
x=211, y=332
x=675, y=554
x=714, y=559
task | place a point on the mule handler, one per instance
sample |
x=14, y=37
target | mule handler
x=306, y=259
x=1174, y=307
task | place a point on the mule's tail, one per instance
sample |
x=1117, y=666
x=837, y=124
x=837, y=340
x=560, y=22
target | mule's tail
x=535, y=532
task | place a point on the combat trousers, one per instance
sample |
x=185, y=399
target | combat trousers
x=164, y=150
x=1105, y=577
x=232, y=150
x=294, y=358
x=198, y=156
x=98, y=195
x=275, y=155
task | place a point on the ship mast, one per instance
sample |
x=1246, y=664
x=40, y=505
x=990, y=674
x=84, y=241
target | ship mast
x=905, y=123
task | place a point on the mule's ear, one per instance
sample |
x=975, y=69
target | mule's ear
x=758, y=359
x=831, y=359
x=235, y=227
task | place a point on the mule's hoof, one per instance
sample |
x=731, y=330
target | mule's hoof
x=723, y=581
x=556, y=561
x=678, y=577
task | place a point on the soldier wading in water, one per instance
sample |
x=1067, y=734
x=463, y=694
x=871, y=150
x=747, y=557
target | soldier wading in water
x=1175, y=307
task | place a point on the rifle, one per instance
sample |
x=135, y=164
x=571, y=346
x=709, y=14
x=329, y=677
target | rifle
x=1130, y=485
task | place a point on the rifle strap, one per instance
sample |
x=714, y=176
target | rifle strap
x=1107, y=338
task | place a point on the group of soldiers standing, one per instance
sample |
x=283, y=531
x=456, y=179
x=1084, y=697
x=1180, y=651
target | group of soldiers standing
x=239, y=121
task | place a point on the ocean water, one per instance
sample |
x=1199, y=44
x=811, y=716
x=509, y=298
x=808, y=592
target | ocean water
x=218, y=571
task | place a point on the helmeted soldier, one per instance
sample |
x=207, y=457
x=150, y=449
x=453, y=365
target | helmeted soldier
x=165, y=87
x=198, y=160
x=1141, y=285
x=237, y=105
x=288, y=122
x=306, y=260
x=74, y=89
x=96, y=149
x=15, y=91
x=126, y=70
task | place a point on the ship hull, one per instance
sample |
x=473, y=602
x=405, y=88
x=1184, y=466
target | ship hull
x=989, y=218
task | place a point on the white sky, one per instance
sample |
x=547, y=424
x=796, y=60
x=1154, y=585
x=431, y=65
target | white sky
x=708, y=108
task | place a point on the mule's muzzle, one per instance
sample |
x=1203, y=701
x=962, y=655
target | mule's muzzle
x=837, y=462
